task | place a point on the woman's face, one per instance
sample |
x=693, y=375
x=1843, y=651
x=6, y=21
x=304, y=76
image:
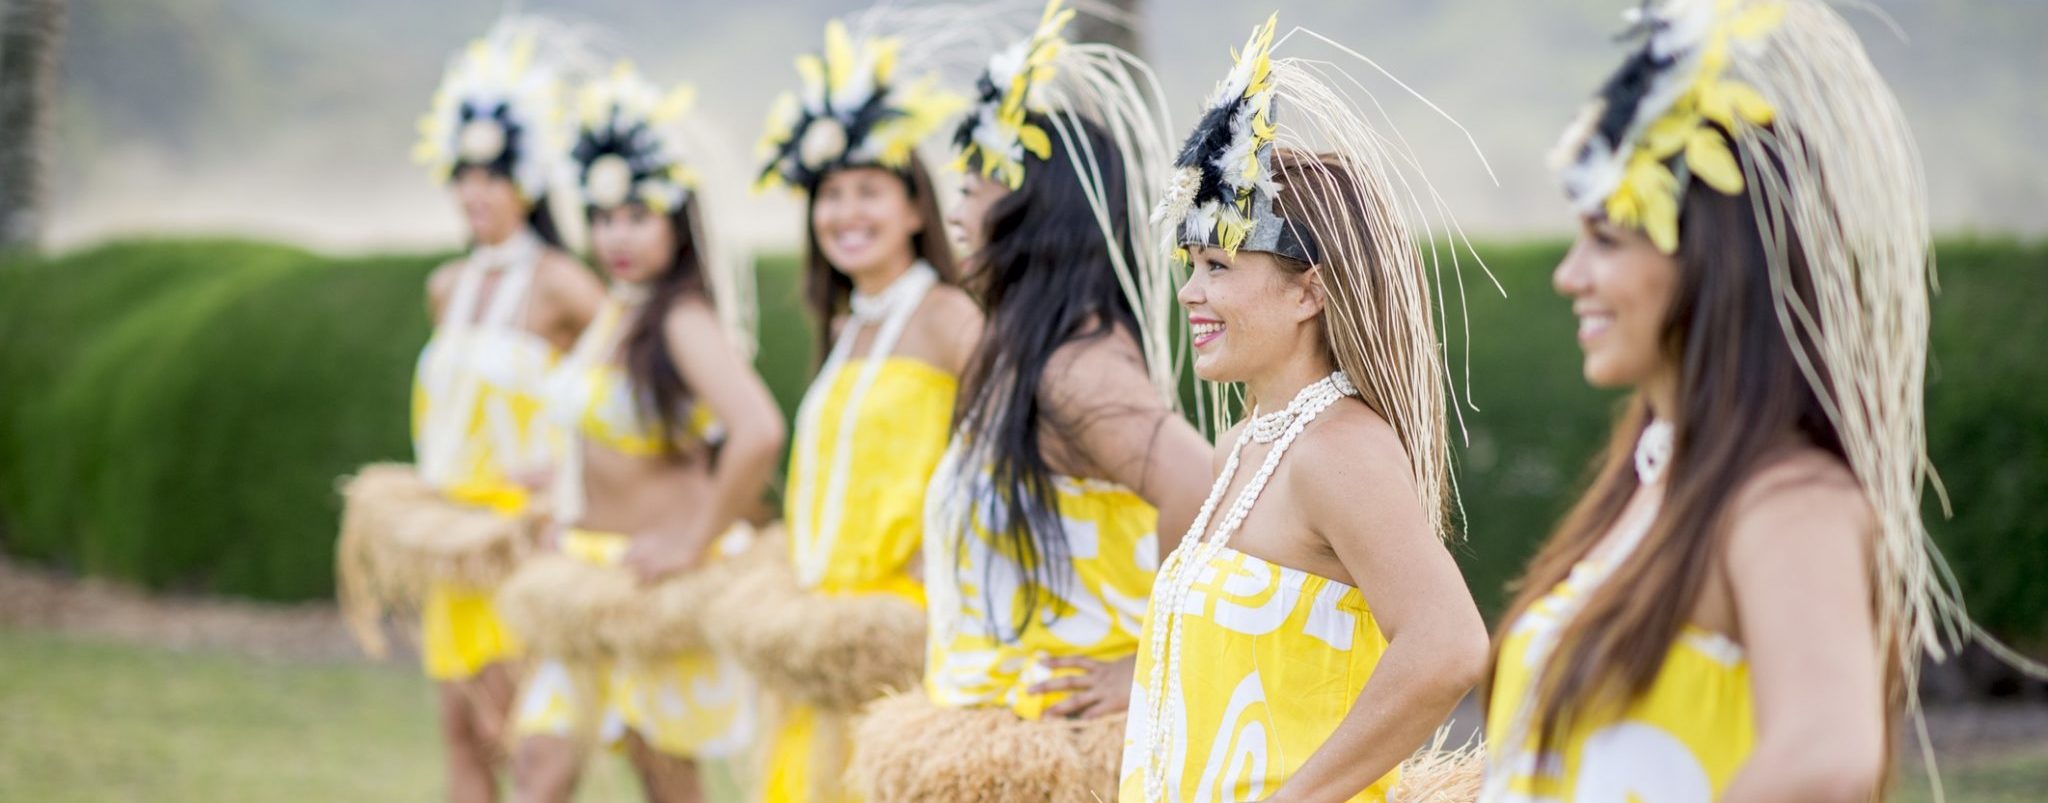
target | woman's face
x=491, y=204
x=1621, y=288
x=632, y=243
x=1247, y=314
x=862, y=219
x=969, y=217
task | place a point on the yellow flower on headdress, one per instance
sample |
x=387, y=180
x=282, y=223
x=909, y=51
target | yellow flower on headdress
x=998, y=129
x=1695, y=130
x=497, y=106
x=850, y=111
x=624, y=149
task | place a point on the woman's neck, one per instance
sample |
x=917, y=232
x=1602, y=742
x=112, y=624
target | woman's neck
x=1661, y=392
x=506, y=236
x=873, y=282
x=1273, y=390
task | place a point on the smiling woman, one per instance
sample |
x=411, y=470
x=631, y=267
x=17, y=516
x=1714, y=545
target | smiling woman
x=1311, y=629
x=444, y=533
x=837, y=619
x=1744, y=595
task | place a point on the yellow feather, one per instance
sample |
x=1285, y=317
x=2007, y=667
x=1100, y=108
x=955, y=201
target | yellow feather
x=885, y=51
x=1706, y=153
x=1757, y=20
x=1748, y=103
x=675, y=104
x=1035, y=140
x=1660, y=221
x=811, y=71
x=838, y=54
x=1668, y=134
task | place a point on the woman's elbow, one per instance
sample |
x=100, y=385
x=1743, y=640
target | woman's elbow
x=1819, y=768
x=1466, y=663
x=1456, y=659
x=1841, y=779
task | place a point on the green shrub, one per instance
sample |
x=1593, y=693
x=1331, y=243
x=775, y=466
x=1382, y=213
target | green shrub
x=176, y=413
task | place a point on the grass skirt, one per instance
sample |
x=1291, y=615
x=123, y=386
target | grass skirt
x=909, y=750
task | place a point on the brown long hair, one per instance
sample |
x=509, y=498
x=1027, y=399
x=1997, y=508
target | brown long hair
x=1742, y=399
x=650, y=367
x=1377, y=324
x=826, y=290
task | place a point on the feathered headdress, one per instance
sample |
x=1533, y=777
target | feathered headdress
x=1366, y=211
x=997, y=131
x=499, y=106
x=1222, y=191
x=626, y=148
x=631, y=148
x=1777, y=99
x=851, y=111
x=1043, y=82
x=1667, y=116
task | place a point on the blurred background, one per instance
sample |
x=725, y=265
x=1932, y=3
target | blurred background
x=213, y=251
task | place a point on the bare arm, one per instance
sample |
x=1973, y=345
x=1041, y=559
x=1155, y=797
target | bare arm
x=754, y=431
x=440, y=286
x=1353, y=487
x=1797, y=567
x=1120, y=429
x=950, y=324
x=571, y=296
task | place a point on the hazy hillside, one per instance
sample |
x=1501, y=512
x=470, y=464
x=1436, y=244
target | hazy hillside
x=295, y=117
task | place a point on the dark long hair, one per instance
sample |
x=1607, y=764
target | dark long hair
x=826, y=290
x=1046, y=279
x=1741, y=399
x=650, y=367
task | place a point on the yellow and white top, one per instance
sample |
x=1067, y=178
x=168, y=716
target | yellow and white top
x=1283, y=656
x=478, y=382
x=591, y=397
x=976, y=656
x=1246, y=667
x=1684, y=739
x=868, y=435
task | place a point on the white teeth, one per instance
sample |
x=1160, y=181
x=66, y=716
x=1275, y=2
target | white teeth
x=1201, y=329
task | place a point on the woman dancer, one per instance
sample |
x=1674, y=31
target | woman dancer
x=1736, y=607
x=1040, y=525
x=1312, y=630
x=444, y=535
x=674, y=436
x=839, y=620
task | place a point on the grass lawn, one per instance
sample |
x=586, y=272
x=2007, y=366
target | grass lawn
x=94, y=721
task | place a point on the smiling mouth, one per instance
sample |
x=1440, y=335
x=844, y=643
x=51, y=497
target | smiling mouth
x=1205, y=332
x=853, y=240
x=1593, y=325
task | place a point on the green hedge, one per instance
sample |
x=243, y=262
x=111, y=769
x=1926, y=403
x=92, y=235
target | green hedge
x=176, y=413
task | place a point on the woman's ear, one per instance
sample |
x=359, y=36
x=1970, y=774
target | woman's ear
x=1309, y=284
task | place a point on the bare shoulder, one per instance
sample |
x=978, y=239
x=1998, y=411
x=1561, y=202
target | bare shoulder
x=1106, y=369
x=1350, y=459
x=441, y=282
x=560, y=272
x=692, y=322
x=1803, y=496
x=948, y=311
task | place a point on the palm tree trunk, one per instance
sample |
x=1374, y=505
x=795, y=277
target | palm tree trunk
x=31, y=34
